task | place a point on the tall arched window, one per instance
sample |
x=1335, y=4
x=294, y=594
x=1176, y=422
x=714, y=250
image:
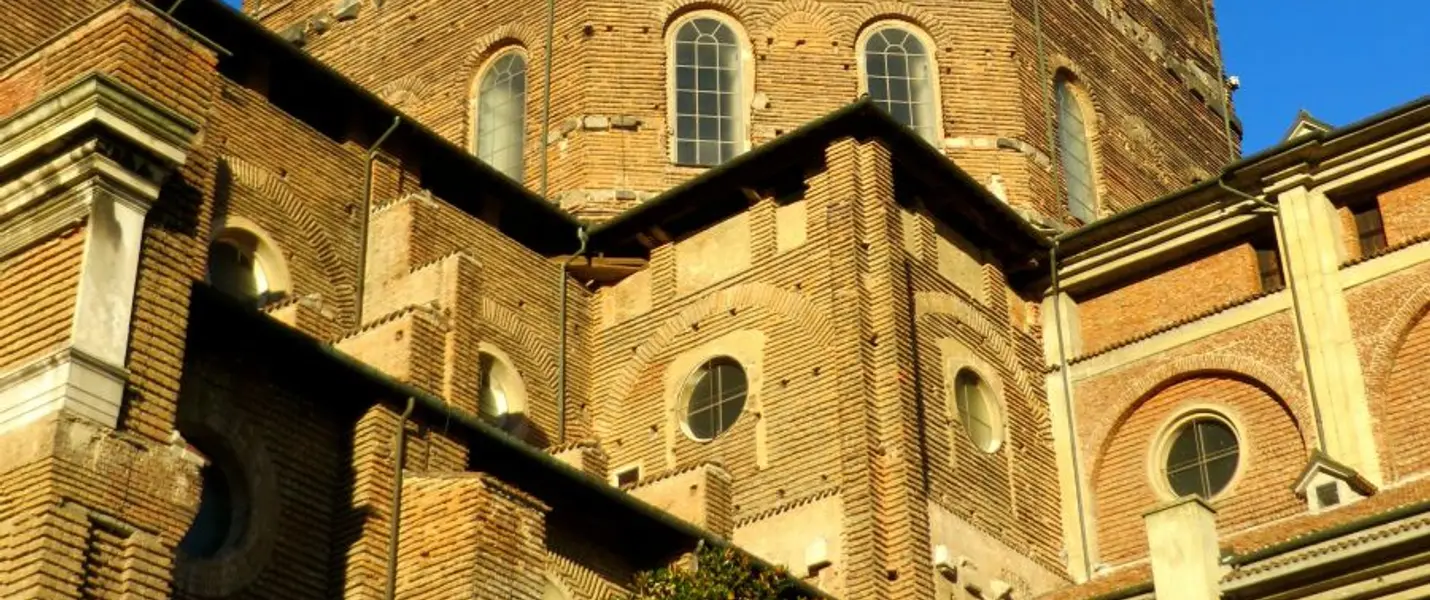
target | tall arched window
x=1075, y=154
x=708, y=91
x=900, y=77
x=501, y=112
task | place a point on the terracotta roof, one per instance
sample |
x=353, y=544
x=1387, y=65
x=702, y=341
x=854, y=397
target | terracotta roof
x=1120, y=583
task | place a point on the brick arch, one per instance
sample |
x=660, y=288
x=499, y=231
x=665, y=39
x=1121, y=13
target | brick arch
x=1395, y=388
x=777, y=19
x=496, y=40
x=269, y=185
x=897, y=11
x=1146, y=385
x=510, y=324
x=1126, y=475
x=751, y=295
x=668, y=11
x=1388, y=340
x=405, y=92
x=929, y=304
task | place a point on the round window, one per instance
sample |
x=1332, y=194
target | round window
x=977, y=410
x=715, y=397
x=234, y=271
x=1202, y=457
x=219, y=521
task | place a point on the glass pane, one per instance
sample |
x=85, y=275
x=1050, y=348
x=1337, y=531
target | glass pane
x=900, y=110
x=707, y=78
x=702, y=393
x=701, y=425
x=708, y=152
x=1219, y=473
x=684, y=103
x=730, y=411
x=1184, y=449
x=231, y=271
x=685, y=152
x=874, y=62
x=1186, y=482
x=707, y=55
x=684, y=52
x=212, y=525
x=897, y=65
x=684, y=78
x=1217, y=438
x=732, y=379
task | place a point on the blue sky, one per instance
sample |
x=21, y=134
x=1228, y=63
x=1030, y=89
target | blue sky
x=1342, y=60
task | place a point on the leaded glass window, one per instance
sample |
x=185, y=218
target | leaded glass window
x=1203, y=457
x=501, y=113
x=708, y=124
x=1075, y=154
x=900, y=79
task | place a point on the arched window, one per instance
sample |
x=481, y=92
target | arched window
x=900, y=77
x=244, y=263
x=501, y=112
x=708, y=91
x=1202, y=457
x=1075, y=154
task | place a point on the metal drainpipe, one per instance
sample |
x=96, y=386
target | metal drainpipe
x=366, y=209
x=546, y=94
x=400, y=443
x=1068, y=408
x=561, y=350
x=1295, y=304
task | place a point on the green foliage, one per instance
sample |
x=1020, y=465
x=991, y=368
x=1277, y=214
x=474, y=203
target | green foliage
x=722, y=574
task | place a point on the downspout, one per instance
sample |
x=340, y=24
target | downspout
x=1280, y=228
x=399, y=441
x=561, y=349
x=1295, y=303
x=1068, y=407
x=366, y=209
x=546, y=100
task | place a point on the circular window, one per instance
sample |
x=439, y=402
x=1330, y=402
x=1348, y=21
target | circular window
x=219, y=521
x=234, y=271
x=714, y=398
x=1202, y=457
x=978, y=410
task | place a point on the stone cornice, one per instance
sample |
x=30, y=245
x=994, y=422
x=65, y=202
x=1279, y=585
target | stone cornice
x=96, y=100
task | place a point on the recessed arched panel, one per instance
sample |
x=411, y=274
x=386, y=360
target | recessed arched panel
x=1233, y=424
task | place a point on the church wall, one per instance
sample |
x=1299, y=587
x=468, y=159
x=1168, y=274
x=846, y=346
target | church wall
x=609, y=138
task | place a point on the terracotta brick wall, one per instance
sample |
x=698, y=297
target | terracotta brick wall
x=1272, y=455
x=1405, y=209
x=301, y=186
x=1168, y=295
x=37, y=298
x=28, y=23
x=1401, y=411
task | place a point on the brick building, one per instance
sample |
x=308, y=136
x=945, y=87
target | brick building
x=917, y=300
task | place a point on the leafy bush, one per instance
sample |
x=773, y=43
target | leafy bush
x=717, y=574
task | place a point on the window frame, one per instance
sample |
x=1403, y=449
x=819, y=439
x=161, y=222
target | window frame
x=745, y=85
x=1368, y=211
x=1065, y=83
x=992, y=403
x=475, y=107
x=253, y=242
x=1161, y=451
x=510, y=379
x=936, y=132
x=687, y=390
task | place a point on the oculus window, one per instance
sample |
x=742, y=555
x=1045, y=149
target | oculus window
x=707, y=70
x=715, y=397
x=501, y=113
x=1202, y=457
x=978, y=410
